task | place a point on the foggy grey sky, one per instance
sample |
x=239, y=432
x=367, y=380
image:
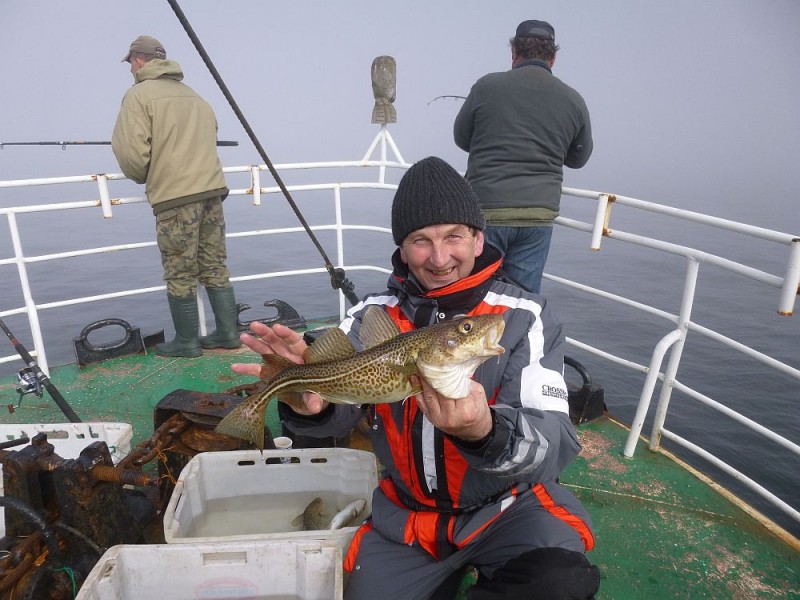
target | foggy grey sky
x=693, y=103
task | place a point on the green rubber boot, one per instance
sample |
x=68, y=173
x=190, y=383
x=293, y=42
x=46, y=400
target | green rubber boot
x=186, y=320
x=226, y=315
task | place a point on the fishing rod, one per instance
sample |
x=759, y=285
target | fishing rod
x=445, y=97
x=82, y=143
x=338, y=278
x=33, y=378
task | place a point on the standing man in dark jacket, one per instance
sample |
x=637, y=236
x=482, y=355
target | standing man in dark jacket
x=520, y=128
x=472, y=480
x=166, y=138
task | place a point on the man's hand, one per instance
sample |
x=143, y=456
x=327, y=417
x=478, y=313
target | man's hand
x=277, y=339
x=284, y=342
x=468, y=418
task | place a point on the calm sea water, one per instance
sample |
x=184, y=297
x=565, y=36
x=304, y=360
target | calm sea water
x=727, y=303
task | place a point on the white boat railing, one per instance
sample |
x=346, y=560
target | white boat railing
x=389, y=157
x=672, y=342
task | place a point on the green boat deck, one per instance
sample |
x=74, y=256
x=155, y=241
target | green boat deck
x=662, y=531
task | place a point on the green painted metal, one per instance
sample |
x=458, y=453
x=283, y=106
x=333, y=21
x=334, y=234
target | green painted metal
x=662, y=532
x=128, y=389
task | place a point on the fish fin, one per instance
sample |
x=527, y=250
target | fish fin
x=272, y=364
x=331, y=345
x=450, y=380
x=246, y=421
x=376, y=327
x=293, y=399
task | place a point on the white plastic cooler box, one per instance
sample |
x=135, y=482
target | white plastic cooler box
x=310, y=570
x=246, y=495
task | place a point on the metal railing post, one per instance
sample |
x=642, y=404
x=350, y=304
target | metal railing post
x=647, y=390
x=30, y=306
x=337, y=208
x=255, y=180
x=382, y=170
x=105, y=197
x=601, y=219
x=791, y=280
x=687, y=302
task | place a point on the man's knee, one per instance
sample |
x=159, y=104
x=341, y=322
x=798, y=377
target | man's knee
x=544, y=573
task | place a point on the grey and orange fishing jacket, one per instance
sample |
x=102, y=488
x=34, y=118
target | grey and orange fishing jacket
x=431, y=473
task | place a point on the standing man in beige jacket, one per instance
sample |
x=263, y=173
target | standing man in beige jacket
x=166, y=138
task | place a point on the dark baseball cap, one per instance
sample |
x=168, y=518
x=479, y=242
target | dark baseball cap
x=536, y=29
x=146, y=45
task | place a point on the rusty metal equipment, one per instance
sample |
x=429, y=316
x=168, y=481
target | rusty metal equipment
x=62, y=514
x=184, y=422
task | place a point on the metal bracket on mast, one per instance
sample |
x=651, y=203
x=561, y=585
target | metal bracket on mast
x=384, y=139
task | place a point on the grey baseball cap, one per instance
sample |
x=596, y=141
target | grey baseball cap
x=537, y=29
x=146, y=45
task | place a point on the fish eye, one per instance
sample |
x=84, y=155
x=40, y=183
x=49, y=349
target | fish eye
x=466, y=326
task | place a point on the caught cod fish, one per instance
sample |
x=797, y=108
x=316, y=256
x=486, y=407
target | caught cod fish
x=445, y=354
x=315, y=516
x=348, y=514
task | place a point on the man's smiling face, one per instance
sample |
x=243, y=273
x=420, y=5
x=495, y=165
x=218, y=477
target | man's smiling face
x=439, y=255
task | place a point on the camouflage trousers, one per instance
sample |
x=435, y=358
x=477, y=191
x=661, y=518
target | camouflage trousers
x=191, y=239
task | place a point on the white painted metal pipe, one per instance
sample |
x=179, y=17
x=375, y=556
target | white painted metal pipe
x=255, y=184
x=105, y=197
x=685, y=314
x=599, y=222
x=33, y=315
x=791, y=281
x=647, y=390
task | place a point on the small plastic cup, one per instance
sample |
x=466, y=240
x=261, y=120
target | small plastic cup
x=283, y=443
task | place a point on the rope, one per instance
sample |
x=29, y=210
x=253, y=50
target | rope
x=338, y=278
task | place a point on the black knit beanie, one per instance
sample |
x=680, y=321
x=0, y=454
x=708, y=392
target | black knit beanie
x=433, y=193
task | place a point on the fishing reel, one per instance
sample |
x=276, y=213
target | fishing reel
x=28, y=383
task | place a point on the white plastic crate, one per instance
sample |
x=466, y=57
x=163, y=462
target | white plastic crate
x=310, y=570
x=68, y=440
x=243, y=495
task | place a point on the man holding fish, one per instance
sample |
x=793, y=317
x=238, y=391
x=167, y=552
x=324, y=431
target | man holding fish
x=473, y=449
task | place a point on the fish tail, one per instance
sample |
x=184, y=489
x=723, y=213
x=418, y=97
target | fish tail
x=246, y=422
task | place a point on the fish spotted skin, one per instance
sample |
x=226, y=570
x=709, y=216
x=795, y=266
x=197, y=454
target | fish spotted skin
x=313, y=517
x=445, y=354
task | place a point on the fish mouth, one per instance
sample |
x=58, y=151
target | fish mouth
x=491, y=340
